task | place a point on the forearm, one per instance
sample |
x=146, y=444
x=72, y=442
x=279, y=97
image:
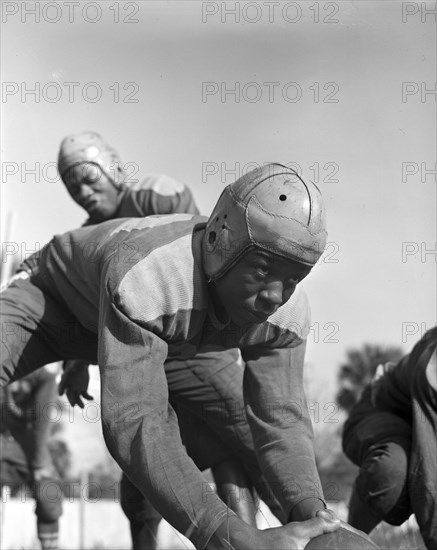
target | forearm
x=282, y=432
x=236, y=534
x=151, y=454
x=142, y=432
x=287, y=461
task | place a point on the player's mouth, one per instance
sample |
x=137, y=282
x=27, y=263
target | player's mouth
x=259, y=316
x=91, y=206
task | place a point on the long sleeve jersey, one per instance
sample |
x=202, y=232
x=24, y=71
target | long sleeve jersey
x=139, y=284
x=156, y=194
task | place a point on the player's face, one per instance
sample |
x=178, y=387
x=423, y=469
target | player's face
x=257, y=286
x=91, y=188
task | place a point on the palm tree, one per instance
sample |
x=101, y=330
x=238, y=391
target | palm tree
x=358, y=370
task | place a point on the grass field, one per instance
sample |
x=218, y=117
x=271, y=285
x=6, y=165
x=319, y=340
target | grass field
x=102, y=526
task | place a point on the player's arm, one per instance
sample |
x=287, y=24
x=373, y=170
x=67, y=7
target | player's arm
x=431, y=371
x=142, y=434
x=141, y=428
x=391, y=390
x=281, y=427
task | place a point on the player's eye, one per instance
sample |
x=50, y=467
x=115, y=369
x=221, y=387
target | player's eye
x=262, y=270
x=89, y=181
x=91, y=174
x=298, y=277
x=74, y=188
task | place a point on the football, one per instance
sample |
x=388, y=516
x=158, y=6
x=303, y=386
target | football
x=342, y=539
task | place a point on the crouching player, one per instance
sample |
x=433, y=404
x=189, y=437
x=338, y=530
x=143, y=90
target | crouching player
x=94, y=176
x=131, y=293
x=24, y=449
x=391, y=436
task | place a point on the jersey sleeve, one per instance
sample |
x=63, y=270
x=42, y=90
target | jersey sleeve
x=163, y=195
x=279, y=419
x=141, y=428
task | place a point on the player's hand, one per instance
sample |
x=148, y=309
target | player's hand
x=300, y=533
x=74, y=382
x=292, y=536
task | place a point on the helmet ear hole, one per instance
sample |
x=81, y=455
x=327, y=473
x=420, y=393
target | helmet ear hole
x=211, y=237
x=282, y=197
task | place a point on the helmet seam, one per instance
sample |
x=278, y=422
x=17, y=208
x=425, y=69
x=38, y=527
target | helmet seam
x=271, y=176
x=272, y=215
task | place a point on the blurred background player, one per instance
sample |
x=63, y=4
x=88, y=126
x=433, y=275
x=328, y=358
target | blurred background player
x=96, y=180
x=391, y=434
x=94, y=176
x=25, y=458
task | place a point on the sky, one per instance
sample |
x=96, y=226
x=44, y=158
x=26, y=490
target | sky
x=203, y=91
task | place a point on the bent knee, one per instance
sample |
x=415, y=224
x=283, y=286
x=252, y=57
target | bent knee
x=382, y=481
x=386, y=463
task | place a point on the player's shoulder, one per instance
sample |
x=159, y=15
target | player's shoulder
x=162, y=184
x=163, y=268
x=424, y=357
